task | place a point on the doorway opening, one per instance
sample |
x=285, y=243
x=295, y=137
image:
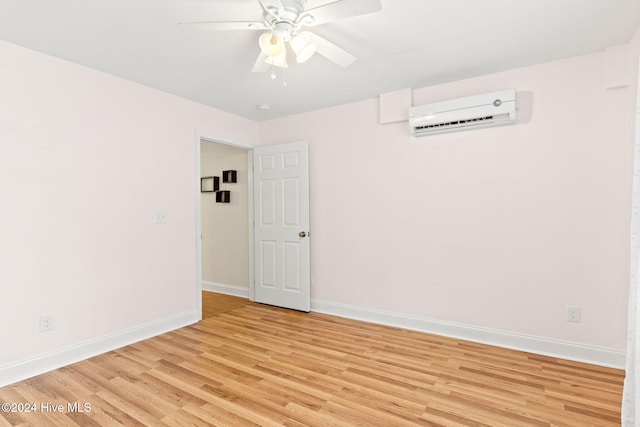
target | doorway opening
x=224, y=209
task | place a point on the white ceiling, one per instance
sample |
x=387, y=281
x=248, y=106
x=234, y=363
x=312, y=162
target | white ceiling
x=410, y=43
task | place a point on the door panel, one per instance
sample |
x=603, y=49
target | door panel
x=268, y=251
x=291, y=202
x=281, y=203
x=268, y=206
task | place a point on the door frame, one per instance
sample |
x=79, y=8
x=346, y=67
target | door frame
x=206, y=137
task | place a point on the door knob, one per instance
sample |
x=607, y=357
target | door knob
x=302, y=234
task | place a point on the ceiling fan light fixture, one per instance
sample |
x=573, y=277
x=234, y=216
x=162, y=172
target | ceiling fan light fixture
x=303, y=48
x=270, y=44
x=278, y=60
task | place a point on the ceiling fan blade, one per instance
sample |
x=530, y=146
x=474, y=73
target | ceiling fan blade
x=329, y=50
x=341, y=9
x=223, y=25
x=261, y=66
x=271, y=5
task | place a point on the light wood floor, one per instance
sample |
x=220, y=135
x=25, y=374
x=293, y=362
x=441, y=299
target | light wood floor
x=260, y=365
x=214, y=303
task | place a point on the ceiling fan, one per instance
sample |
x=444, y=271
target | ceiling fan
x=284, y=23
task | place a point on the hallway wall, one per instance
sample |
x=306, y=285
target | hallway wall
x=225, y=226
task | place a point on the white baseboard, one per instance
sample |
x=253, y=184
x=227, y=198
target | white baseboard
x=532, y=344
x=28, y=368
x=222, y=288
x=561, y=349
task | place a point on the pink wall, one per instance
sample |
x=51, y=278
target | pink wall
x=497, y=228
x=85, y=161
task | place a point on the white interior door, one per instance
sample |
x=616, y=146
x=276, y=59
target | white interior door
x=281, y=231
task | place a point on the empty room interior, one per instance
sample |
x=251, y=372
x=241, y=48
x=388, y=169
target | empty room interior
x=390, y=212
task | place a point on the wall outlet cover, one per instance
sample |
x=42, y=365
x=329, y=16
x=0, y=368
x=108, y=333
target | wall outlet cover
x=160, y=217
x=46, y=323
x=573, y=313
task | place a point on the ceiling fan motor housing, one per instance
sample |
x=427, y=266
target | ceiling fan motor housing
x=285, y=21
x=285, y=30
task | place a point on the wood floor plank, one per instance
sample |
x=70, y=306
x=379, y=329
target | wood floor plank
x=183, y=418
x=214, y=303
x=250, y=364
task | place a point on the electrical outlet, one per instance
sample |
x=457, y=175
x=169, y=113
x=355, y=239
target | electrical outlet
x=160, y=217
x=573, y=313
x=46, y=323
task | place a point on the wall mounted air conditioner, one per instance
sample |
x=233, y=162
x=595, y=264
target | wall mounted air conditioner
x=473, y=112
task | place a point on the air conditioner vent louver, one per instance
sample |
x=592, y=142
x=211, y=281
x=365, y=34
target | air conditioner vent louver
x=457, y=122
x=491, y=109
